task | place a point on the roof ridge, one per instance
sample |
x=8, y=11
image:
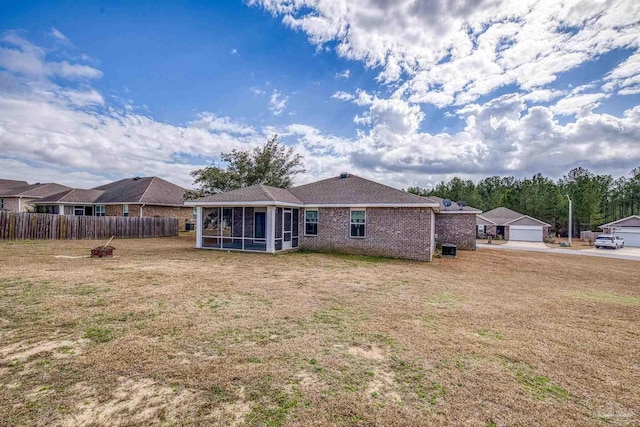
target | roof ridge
x=264, y=188
x=146, y=189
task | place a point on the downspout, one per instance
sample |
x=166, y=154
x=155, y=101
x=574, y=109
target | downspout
x=19, y=203
x=142, y=206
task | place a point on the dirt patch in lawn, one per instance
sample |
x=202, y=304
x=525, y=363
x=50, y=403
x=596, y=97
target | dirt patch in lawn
x=165, y=334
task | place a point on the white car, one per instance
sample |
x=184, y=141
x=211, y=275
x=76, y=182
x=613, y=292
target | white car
x=609, y=241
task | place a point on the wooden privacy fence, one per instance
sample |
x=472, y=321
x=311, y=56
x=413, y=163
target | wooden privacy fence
x=35, y=226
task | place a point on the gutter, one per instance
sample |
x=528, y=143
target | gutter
x=142, y=206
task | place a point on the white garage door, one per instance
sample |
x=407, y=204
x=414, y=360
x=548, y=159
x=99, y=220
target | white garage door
x=525, y=233
x=630, y=239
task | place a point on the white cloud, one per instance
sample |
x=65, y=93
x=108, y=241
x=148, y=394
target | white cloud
x=57, y=34
x=344, y=96
x=277, y=102
x=257, y=91
x=343, y=75
x=213, y=123
x=448, y=53
x=576, y=104
x=22, y=57
x=625, y=77
x=234, y=52
x=72, y=71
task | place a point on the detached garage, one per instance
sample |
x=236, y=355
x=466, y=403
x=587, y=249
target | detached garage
x=512, y=225
x=628, y=228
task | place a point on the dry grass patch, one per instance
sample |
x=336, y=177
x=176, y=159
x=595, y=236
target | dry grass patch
x=164, y=334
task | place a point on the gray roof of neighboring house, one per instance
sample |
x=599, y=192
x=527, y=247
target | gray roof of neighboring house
x=253, y=193
x=74, y=195
x=6, y=184
x=34, y=191
x=503, y=216
x=630, y=221
x=354, y=190
x=455, y=207
x=150, y=190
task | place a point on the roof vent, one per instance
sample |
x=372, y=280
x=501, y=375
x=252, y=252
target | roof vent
x=37, y=183
x=136, y=178
x=344, y=175
x=462, y=204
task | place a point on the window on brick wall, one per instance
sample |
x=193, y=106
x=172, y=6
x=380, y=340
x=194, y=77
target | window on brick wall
x=125, y=210
x=311, y=222
x=100, y=210
x=358, y=222
x=194, y=214
x=1, y=204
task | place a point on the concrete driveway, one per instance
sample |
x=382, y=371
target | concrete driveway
x=623, y=253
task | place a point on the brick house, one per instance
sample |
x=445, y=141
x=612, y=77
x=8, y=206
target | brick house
x=508, y=224
x=20, y=196
x=456, y=224
x=345, y=214
x=133, y=197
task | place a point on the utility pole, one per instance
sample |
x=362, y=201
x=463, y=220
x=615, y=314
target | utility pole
x=570, y=221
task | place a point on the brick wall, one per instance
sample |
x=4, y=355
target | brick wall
x=11, y=204
x=492, y=230
x=390, y=232
x=182, y=213
x=459, y=229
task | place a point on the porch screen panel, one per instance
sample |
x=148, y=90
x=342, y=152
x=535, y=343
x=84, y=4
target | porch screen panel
x=296, y=226
x=227, y=221
x=211, y=227
x=287, y=225
x=236, y=230
x=278, y=223
x=211, y=221
x=248, y=223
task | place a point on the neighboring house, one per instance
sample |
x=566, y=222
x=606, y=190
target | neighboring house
x=19, y=196
x=134, y=197
x=346, y=214
x=456, y=224
x=628, y=228
x=511, y=225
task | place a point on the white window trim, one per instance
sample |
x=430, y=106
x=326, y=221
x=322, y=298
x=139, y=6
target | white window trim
x=351, y=223
x=125, y=211
x=316, y=223
x=101, y=207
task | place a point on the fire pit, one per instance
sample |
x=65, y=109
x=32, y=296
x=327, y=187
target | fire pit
x=102, y=251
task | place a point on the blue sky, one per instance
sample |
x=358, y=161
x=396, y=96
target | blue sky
x=407, y=93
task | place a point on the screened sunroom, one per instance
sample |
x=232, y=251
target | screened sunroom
x=257, y=218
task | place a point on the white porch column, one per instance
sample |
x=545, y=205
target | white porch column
x=271, y=229
x=60, y=209
x=199, y=227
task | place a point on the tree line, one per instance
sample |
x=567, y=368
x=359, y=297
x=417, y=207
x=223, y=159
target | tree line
x=597, y=199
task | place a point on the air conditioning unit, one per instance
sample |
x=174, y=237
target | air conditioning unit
x=449, y=250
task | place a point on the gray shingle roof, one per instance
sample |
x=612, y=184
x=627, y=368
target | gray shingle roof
x=150, y=190
x=455, y=207
x=253, y=193
x=74, y=195
x=353, y=190
x=630, y=221
x=34, y=190
x=6, y=184
x=503, y=216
